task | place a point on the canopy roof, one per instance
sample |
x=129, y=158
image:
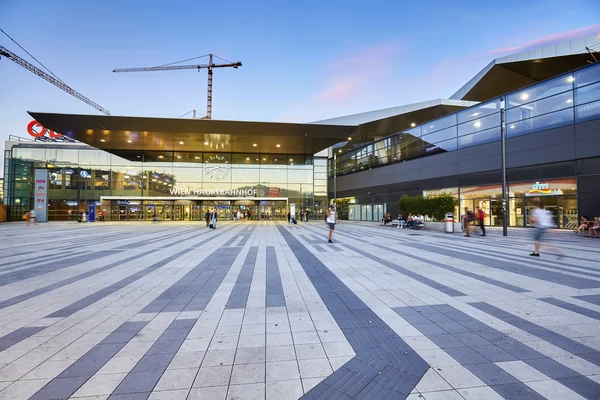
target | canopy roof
x=127, y=136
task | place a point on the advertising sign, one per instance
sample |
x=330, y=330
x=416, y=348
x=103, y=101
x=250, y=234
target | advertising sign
x=40, y=195
x=36, y=130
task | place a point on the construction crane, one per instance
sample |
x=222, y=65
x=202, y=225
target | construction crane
x=198, y=67
x=59, y=84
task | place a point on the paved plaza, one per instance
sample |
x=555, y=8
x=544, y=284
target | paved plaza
x=268, y=310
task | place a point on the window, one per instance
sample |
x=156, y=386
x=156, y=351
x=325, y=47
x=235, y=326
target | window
x=439, y=124
x=587, y=94
x=479, y=124
x=543, y=90
x=479, y=111
x=540, y=123
x=439, y=136
x=588, y=75
x=489, y=135
x=540, y=107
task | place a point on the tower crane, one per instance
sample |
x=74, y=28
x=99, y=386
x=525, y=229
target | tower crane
x=198, y=67
x=58, y=83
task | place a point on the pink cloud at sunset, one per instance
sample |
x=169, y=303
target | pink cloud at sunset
x=557, y=37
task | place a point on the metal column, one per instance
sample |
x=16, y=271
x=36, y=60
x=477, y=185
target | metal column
x=503, y=144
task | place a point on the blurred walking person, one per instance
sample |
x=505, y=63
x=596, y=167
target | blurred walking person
x=331, y=222
x=481, y=219
x=207, y=218
x=542, y=220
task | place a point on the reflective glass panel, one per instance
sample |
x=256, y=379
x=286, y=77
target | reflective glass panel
x=438, y=124
x=479, y=111
x=474, y=139
x=440, y=136
x=442, y=147
x=543, y=122
x=479, y=124
x=588, y=75
x=587, y=111
x=587, y=94
x=540, y=107
x=540, y=91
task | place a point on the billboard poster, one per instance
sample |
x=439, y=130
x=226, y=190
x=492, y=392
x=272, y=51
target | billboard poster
x=40, y=195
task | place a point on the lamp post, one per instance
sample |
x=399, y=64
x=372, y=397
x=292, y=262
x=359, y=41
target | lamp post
x=334, y=181
x=503, y=144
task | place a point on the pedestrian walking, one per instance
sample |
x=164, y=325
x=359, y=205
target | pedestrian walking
x=481, y=219
x=467, y=221
x=207, y=218
x=542, y=220
x=214, y=218
x=331, y=222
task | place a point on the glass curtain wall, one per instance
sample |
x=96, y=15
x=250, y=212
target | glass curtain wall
x=570, y=98
x=298, y=177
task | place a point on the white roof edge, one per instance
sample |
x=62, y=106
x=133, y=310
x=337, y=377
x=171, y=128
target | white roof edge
x=558, y=49
x=361, y=118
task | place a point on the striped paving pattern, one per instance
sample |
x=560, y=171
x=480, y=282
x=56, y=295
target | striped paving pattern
x=267, y=310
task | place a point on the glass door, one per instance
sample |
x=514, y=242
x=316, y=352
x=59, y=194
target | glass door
x=550, y=203
x=531, y=203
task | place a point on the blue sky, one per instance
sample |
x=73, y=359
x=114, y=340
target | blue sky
x=302, y=61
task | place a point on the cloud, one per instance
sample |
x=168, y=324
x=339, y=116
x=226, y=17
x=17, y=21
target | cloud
x=557, y=37
x=350, y=75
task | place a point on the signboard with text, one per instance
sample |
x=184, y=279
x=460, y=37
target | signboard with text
x=40, y=195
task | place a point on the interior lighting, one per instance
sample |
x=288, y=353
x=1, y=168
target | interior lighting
x=264, y=159
x=275, y=159
x=512, y=127
x=339, y=151
x=130, y=141
x=160, y=156
x=206, y=143
x=178, y=156
x=254, y=144
x=247, y=158
x=524, y=96
x=291, y=159
x=180, y=142
x=278, y=145
x=477, y=124
x=570, y=101
x=197, y=158
x=475, y=114
x=102, y=140
x=349, y=138
x=139, y=156
x=413, y=124
x=570, y=79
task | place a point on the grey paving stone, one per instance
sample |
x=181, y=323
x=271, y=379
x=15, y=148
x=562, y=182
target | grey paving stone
x=466, y=355
x=491, y=374
x=137, y=382
x=517, y=391
x=60, y=388
x=494, y=353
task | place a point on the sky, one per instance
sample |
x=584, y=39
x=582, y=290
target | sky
x=302, y=61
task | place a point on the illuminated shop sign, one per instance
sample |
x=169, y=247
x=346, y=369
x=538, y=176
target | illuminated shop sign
x=541, y=189
x=36, y=130
x=213, y=192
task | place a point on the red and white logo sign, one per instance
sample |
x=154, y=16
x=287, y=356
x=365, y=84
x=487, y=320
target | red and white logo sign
x=36, y=130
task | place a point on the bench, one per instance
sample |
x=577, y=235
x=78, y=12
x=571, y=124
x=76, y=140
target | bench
x=395, y=223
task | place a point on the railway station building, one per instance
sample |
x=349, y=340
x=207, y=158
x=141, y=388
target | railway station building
x=545, y=102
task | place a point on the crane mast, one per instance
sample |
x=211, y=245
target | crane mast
x=59, y=84
x=198, y=67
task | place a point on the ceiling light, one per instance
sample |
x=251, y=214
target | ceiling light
x=264, y=159
x=139, y=156
x=524, y=96
x=349, y=138
x=130, y=141
x=206, y=143
x=180, y=142
x=477, y=124
x=570, y=101
x=254, y=144
x=413, y=124
x=197, y=158
x=160, y=156
x=570, y=79
x=339, y=151
x=475, y=114
x=178, y=156
x=512, y=127
x=247, y=158
x=278, y=145
x=275, y=159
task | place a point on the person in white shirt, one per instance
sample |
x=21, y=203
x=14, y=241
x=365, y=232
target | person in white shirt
x=542, y=220
x=331, y=222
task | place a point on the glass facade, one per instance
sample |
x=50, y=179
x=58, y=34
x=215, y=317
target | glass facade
x=567, y=99
x=79, y=173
